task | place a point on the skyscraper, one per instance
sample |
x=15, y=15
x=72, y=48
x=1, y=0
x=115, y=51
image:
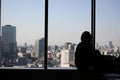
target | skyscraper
x=67, y=54
x=0, y=50
x=67, y=45
x=66, y=57
x=39, y=48
x=0, y=38
x=110, y=44
x=9, y=42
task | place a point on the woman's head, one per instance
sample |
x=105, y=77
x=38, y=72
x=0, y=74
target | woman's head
x=86, y=37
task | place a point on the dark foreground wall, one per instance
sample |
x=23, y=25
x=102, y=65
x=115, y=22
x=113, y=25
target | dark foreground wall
x=55, y=75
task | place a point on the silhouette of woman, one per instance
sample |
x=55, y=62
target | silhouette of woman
x=84, y=52
x=89, y=59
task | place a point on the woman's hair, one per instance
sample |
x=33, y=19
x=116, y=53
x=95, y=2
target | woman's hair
x=86, y=36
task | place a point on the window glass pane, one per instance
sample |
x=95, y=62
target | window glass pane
x=23, y=33
x=108, y=27
x=67, y=20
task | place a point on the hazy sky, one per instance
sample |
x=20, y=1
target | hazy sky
x=108, y=21
x=27, y=16
x=67, y=20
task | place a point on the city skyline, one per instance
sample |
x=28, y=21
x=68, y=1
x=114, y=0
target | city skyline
x=66, y=21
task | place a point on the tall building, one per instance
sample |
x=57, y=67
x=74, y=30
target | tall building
x=67, y=45
x=68, y=54
x=39, y=48
x=0, y=50
x=56, y=48
x=9, y=42
x=111, y=45
x=66, y=57
x=96, y=46
x=0, y=38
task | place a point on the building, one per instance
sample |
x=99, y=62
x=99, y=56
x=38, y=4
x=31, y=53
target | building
x=0, y=46
x=66, y=57
x=0, y=50
x=56, y=48
x=22, y=49
x=70, y=46
x=9, y=42
x=67, y=45
x=68, y=54
x=111, y=45
x=39, y=48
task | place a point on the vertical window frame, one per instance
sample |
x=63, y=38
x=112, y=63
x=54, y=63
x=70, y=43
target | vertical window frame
x=93, y=21
x=46, y=33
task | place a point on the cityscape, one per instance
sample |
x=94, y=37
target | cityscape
x=22, y=56
x=23, y=40
x=32, y=56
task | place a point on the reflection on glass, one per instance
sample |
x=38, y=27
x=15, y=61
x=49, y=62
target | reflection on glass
x=22, y=34
x=108, y=27
x=67, y=21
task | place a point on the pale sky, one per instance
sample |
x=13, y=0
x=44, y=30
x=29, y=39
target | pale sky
x=108, y=22
x=67, y=20
x=27, y=16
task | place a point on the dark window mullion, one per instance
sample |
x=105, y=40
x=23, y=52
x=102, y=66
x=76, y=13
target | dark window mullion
x=93, y=5
x=46, y=33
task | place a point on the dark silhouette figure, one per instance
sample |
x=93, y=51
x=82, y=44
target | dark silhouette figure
x=88, y=59
x=84, y=52
x=90, y=63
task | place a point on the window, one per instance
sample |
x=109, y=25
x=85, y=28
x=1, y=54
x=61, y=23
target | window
x=67, y=21
x=23, y=38
x=104, y=19
x=107, y=27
